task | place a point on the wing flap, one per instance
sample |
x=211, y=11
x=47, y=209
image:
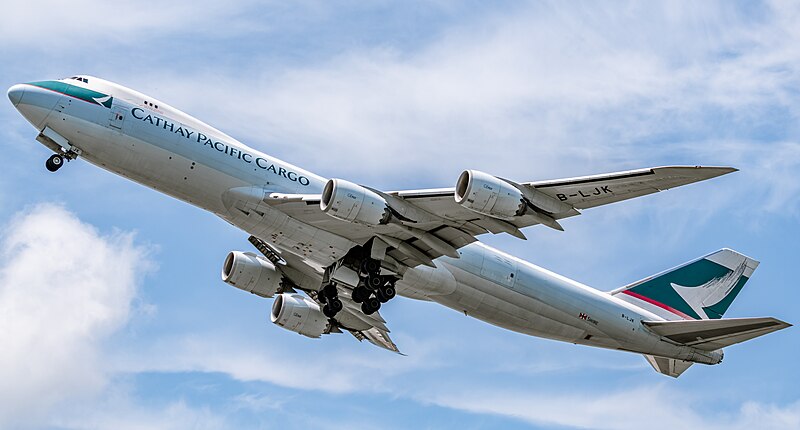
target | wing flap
x=376, y=337
x=710, y=335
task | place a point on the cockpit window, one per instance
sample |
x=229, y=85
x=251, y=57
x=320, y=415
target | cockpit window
x=79, y=78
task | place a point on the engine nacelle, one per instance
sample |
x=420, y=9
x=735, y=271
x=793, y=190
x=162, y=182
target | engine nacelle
x=353, y=203
x=252, y=273
x=489, y=195
x=299, y=314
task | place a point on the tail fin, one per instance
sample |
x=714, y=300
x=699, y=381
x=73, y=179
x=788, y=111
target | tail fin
x=700, y=289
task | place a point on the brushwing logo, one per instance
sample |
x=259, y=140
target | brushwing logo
x=712, y=292
x=104, y=101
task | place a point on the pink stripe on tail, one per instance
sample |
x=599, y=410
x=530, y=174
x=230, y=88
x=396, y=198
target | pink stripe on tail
x=659, y=304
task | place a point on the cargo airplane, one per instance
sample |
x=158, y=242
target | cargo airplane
x=331, y=252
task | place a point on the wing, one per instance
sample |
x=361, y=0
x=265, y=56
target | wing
x=590, y=191
x=431, y=223
x=562, y=198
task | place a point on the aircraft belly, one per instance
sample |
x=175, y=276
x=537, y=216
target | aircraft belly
x=509, y=316
x=522, y=297
x=503, y=307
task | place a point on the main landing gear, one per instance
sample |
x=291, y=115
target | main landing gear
x=373, y=288
x=329, y=296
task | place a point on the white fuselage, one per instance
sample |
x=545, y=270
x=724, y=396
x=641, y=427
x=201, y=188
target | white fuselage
x=153, y=144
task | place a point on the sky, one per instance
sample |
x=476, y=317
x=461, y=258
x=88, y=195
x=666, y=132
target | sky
x=112, y=311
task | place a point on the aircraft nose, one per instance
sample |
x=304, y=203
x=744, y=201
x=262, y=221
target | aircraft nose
x=15, y=93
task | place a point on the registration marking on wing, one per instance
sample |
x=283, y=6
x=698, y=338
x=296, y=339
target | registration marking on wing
x=595, y=191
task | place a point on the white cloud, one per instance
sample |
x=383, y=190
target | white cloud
x=117, y=410
x=654, y=407
x=769, y=173
x=64, y=289
x=325, y=367
x=53, y=26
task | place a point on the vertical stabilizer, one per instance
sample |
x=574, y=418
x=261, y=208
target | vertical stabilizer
x=700, y=289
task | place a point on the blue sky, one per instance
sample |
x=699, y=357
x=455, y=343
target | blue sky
x=112, y=314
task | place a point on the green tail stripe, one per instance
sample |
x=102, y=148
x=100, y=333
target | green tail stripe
x=694, y=274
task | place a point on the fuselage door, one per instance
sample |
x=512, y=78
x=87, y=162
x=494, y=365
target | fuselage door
x=499, y=269
x=117, y=117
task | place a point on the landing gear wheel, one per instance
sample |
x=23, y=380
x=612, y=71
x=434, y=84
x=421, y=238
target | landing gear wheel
x=370, y=306
x=54, y=162
x=360, y=293
x=328, y=312
x=371, y=266
x=335, y=305
x=374, y=282
x=386, y=293
x=329, y=291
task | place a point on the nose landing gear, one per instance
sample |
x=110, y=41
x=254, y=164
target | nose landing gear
x=64, y=150
x=54, y=162
x=57, y=160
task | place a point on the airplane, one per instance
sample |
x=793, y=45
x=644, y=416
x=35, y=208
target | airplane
x=331, y=252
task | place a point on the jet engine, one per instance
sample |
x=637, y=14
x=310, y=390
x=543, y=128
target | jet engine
x=353, y=203
x=252, y=273
x=299, y=314
x=489, y=195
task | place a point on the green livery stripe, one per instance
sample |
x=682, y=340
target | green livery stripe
x=694, y=274
x=84, y=94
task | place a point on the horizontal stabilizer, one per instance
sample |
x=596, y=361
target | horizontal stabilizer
x=668, y=366
x=710, y=335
